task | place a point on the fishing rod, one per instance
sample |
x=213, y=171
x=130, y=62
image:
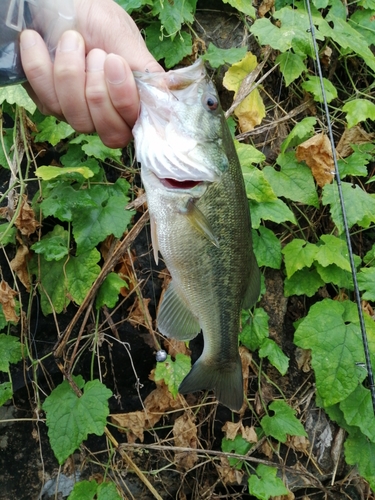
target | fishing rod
x=336, y=173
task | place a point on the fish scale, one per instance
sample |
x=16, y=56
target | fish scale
x=203, y=231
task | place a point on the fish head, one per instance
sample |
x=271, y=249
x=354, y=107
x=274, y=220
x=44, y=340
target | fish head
x=179, y=131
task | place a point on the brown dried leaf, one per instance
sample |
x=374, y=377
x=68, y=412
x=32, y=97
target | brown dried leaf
x=7, y=295
x=158, y=402
x=185, y=436
x=19, y=266
x=228, y=474
x=26, y=222
x=325, y=56
x=133, y=424
x=303, y=358
x=174, y=347
x=289, y=496
x=366, y=307
x=317, y=153
x=232, y=429
x=265, y=7
x=246, y=359
x=355, y=135
x=266, y=449
x=139, y=314
x=299, y=443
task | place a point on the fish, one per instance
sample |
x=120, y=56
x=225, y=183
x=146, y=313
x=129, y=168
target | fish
x=200, y=222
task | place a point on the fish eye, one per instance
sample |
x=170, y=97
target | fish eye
x=210, y=102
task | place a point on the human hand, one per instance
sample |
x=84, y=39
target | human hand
x=90, y=84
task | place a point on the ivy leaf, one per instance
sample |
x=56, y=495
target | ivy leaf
x=336, y=347
x=294, y=181
x=16, y=94
x=366, y=282
x=5, y=392
x=358, y=411
x=172, y=50
x=291, y=66
x=362, y=21
x=54, y=245
x=282, y=423
x=248, y=155
x=275, y=210
x=53, y=131
x=243, y=6
x=297, y=255
x=361, y=452
x=358, y=110
x=336, y=275
x=173, y=372
x=93, y=146
x=333, y=251
x=109, y=291
x=70, y=419
x=254, y=328
x=355, y=164
x=269, y=349
x=313, y=86
x=257, y=186
x=10, y=351
x=302, y=131
x=105, y=215
x=304, y=282
x=359, y=205
x=173, y=15
x=238, y=445
x=217, y=57
x=264, y=484
x=267, y=247
x=81, y=272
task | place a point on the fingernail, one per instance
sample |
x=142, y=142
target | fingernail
x=69, y=42
x=28, y=39
x=114, y=70
x=95, y=60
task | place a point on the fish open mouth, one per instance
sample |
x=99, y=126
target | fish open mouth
x=173, y=184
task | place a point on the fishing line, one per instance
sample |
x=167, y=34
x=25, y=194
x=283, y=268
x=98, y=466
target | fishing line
x=343, y=212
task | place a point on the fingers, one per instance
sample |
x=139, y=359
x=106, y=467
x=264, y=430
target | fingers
x=112, y=97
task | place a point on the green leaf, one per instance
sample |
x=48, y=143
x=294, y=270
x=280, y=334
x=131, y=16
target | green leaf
x=54, y=245
x=7, y=234
x=243, y=6
x=282, y=423
x=294, y=181
x=105, y=215
x=361, y=452
x=53, y=131
x=5, y=392
x=336, y=347
x=333, y=251
x=16, y=94
x=109, y=291
x=3, y=321
x=254, y=328
x=172, y=50
x=313, y=86
x=108, y=491
x=359, y=205
x=336, y=275
x=248, y=155
x=355, y=164
x=297, y=255
x=49, y=172
x=93, y=146
x=130, y=5
x=275, y=210
x=217, y=57
x=63, y=202
x=358, y=110
x=10, y=351
x=174, y=14
x=302, y=131
x=291, y=65
x=256, y=185
x=70, y=419
x=81, y=272
x=84, y=490
x=275, y=355
x=304, y=282
x=267, y=247
x=51, y=284
x=238, y=445
x=358, y=411
x=173, y=372
x=265, y=484
x=362, y=21
x=366, y=283
x=8, y=144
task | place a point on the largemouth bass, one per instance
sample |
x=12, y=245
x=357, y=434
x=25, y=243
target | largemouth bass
x=200, y=222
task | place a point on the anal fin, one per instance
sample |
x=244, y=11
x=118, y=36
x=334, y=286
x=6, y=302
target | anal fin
x=174, y=317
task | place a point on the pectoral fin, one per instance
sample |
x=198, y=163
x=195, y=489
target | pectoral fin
x=154, y=239
x=174, y=317
x=200, y=222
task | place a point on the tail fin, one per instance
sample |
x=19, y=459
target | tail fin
x=226, y=382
